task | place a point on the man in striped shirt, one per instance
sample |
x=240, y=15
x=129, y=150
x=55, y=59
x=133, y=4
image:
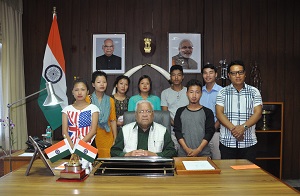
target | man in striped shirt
x=238, y=108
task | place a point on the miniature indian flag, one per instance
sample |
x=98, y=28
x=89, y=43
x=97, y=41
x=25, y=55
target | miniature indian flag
x=58, y=150
x=86, y=151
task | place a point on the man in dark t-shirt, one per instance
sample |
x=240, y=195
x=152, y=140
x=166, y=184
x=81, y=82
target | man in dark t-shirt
x=194, y=124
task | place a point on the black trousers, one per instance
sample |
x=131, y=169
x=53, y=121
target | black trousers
x=238, y=153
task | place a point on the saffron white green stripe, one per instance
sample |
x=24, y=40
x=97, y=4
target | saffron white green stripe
x=58, y=150
x=86, y=151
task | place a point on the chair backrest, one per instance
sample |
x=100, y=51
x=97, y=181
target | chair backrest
x=161, y=117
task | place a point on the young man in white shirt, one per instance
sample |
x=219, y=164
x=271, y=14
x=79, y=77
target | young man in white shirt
x=174, y=97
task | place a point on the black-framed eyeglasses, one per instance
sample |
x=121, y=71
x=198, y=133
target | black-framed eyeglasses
x=234, y=73
x=105, y=46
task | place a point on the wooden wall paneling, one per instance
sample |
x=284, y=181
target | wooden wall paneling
x=93, y=22
x=84, y=49
x=199, y=29
x=64, y=20
x=293, y=82
x=160, y=58
x=280, y=48
x=147, y=26
x=29, y=38
x=254, y=23
x=193, y=12
x=111, y=16
x=74, y=66
x=129, y=27
x=273, y=82
x=227, y=32
x=255, y=44
x=237, y=31
x=217, y=31
x=184, y=13
x=289, y=147
x=175, y=15
x=102, y=15
x=262, y=45
x=33, y=69
x=192, y=27
x=162, y=42
x=120, y=12
x=246, y=34
x=93, y=19
x=297, y=86
x=44, y=18
x=207, y=36
x=137, y=32
x=115, y=19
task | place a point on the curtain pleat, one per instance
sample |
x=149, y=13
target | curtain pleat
x=13, y=79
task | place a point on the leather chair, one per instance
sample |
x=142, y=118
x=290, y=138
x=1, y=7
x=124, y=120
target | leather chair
x=161, y=117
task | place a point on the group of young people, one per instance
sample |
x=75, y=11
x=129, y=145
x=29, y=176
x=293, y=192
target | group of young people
x=202, y=117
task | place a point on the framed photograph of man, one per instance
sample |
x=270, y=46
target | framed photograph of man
x=185, y=50
x=109, y=53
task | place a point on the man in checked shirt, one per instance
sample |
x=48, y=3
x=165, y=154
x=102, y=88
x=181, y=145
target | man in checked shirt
x=238, y=108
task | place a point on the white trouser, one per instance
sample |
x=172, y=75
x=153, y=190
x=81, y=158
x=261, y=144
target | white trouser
x=214, y=146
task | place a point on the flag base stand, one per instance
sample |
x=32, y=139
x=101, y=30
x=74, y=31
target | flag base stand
x=73, y=180
x=37, y=152
x=72, y=173
x=73, y=169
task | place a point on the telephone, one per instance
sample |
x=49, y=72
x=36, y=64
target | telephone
x=42, y=144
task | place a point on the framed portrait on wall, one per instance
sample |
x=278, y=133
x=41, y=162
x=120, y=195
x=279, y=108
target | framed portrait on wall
x=185, y=50
x=109, y=53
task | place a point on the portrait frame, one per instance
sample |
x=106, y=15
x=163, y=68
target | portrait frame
x=119, y=50
x=174, y=41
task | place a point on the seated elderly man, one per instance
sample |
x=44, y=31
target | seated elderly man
x=143, y=137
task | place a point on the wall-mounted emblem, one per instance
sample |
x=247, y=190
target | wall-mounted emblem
x=147, y=44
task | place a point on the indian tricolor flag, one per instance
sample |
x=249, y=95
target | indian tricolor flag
x=86, y=151
x=58, y=150
x=54, y=72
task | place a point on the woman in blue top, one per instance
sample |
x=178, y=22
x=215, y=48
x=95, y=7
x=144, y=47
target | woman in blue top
x=145, y=87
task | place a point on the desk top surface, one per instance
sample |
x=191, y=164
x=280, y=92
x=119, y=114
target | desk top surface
x=228, y=182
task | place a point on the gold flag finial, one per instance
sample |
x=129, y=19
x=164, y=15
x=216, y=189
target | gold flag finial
x=54, y=10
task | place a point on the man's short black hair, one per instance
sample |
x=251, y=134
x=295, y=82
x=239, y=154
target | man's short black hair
x=176, y=67
x=236, y=62
x=194, y=82
x=211, y=66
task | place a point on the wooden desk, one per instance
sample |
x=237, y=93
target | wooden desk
x=229, y=182
x=16, y=160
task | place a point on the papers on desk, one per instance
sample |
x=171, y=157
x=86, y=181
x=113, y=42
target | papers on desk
x=26, y=154
x=197, y=165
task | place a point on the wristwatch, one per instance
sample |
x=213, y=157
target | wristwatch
x=245, y=127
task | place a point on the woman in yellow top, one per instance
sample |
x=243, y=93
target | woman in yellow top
x=107, y=125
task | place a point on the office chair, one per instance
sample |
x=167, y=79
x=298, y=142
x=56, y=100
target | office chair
x=161, y=117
